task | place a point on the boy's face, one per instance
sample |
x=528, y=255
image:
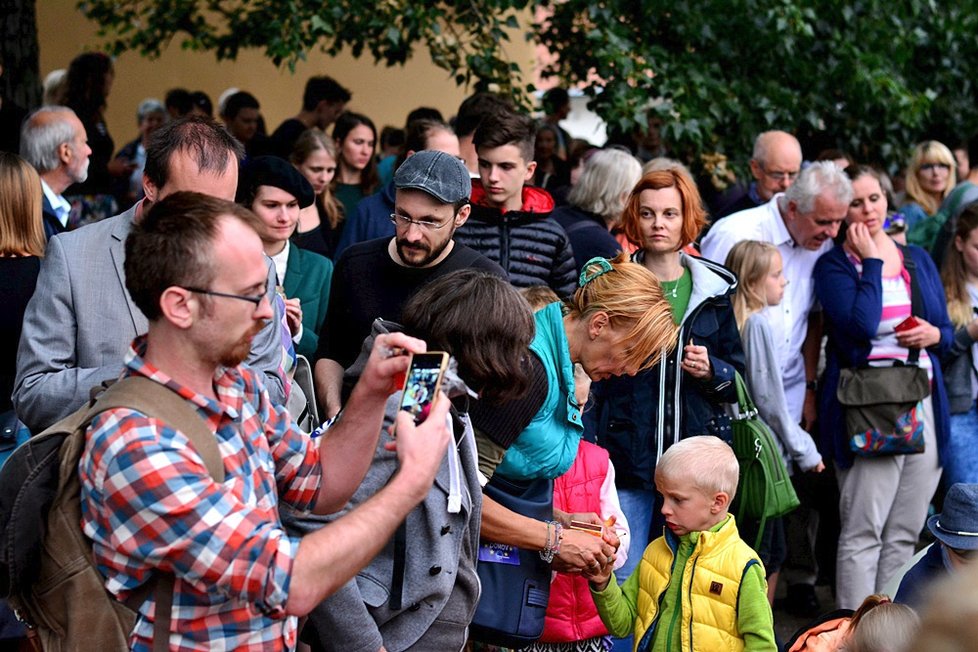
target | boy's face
x=503, y=172
x=688, y=508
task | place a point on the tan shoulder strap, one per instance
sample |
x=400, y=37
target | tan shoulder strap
x=160, y=402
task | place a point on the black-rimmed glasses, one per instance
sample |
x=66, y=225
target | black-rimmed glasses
x=256, y=300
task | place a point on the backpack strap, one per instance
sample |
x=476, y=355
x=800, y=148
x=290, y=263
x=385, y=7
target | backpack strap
x=159, y=401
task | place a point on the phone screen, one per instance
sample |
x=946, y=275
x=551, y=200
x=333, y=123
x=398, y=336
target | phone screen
x=423, y=382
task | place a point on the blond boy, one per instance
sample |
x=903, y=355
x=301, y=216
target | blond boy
x=697, y=587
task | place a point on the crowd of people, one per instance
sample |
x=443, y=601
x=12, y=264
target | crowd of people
x=598, y=313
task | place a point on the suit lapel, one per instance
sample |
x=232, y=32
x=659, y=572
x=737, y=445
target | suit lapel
x=117, y=249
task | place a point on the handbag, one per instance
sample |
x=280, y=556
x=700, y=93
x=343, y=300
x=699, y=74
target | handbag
x=515, y=582
x=764, y=490
x=882, y=405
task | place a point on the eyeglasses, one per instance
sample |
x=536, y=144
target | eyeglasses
x=256, y=300
x=405, y=221
x=928, y=167
x=780, y=176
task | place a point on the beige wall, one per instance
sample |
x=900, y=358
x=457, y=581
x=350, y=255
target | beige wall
x=384, y=94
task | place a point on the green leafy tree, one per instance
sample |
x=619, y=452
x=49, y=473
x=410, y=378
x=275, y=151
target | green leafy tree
x=466, y=38
x=869, y=76
x=873, y=76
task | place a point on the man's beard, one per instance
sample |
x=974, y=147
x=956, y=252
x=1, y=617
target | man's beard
x=239, y=351
x=409, y=252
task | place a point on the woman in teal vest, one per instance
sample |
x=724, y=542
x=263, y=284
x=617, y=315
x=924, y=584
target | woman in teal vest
x=617, y=323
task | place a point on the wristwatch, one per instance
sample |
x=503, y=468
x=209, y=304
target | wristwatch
x=811, y=385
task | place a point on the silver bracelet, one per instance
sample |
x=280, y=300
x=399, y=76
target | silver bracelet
x=552, y=546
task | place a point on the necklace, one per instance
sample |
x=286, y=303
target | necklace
x=671, y=288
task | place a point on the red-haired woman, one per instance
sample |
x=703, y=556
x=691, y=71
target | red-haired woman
x=638, y=418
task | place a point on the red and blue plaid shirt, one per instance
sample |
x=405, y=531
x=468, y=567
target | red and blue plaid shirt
x=149, y=504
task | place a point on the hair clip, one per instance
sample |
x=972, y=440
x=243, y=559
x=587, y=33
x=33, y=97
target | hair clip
x=603, y=267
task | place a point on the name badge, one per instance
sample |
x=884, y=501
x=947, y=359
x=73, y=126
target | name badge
x=499, y=553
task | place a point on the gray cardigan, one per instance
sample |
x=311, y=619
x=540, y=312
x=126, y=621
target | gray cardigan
x=764, y=376
x=441, y=588
x=958, y=366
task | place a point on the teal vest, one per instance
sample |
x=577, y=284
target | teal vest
x=547, y=447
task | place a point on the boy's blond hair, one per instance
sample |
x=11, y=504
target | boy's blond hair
x=707, y=462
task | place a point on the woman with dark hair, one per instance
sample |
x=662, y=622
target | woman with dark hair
x=552, y=171
x=87, y=87
x=865, y=287
x=320, y=225
x=638, y=418
x=356, y=171
x=276, y=192
x=421, y=594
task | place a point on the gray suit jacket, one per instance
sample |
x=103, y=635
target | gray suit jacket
x=81, y=320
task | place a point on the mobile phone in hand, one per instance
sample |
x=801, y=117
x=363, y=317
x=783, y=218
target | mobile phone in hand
x=906, y=324
x=423, y=381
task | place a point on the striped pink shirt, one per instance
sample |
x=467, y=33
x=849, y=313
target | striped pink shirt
x=896, y=308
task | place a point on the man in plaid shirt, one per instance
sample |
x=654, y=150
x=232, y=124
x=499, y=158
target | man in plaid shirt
x=194, y=266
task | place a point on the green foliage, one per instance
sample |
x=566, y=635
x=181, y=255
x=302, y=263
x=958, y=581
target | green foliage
x=869, y=76
x=466, y=38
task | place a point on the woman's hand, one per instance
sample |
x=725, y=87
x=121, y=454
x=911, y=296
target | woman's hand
x=921, y=336
x=293, y=315
x=580, y=551
x=696, y=362
x=860, y=242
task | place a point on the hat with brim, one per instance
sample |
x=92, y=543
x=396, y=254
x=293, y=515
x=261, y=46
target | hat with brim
x=275, y=172
x=957, y=525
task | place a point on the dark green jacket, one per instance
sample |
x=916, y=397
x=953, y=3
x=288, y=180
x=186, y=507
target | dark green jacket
x=307, y=276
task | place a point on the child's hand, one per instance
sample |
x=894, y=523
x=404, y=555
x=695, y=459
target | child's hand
x=599, y=575
x=609, y=535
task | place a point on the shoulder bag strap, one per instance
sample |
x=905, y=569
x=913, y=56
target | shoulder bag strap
x=160, y=402
x=916, y=298
x=156, y=400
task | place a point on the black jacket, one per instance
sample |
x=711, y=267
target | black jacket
x=528, y=244
x=638, y=418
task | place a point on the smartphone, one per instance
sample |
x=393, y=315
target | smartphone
x=423, y=381
x=906, y=324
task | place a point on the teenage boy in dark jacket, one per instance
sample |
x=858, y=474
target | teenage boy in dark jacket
x=510, y=223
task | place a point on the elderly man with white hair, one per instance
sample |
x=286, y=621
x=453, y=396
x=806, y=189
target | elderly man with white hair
x=801, y=223
x=54, y=141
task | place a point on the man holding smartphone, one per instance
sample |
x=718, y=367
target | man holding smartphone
x=375, y=278
x=194, y=266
